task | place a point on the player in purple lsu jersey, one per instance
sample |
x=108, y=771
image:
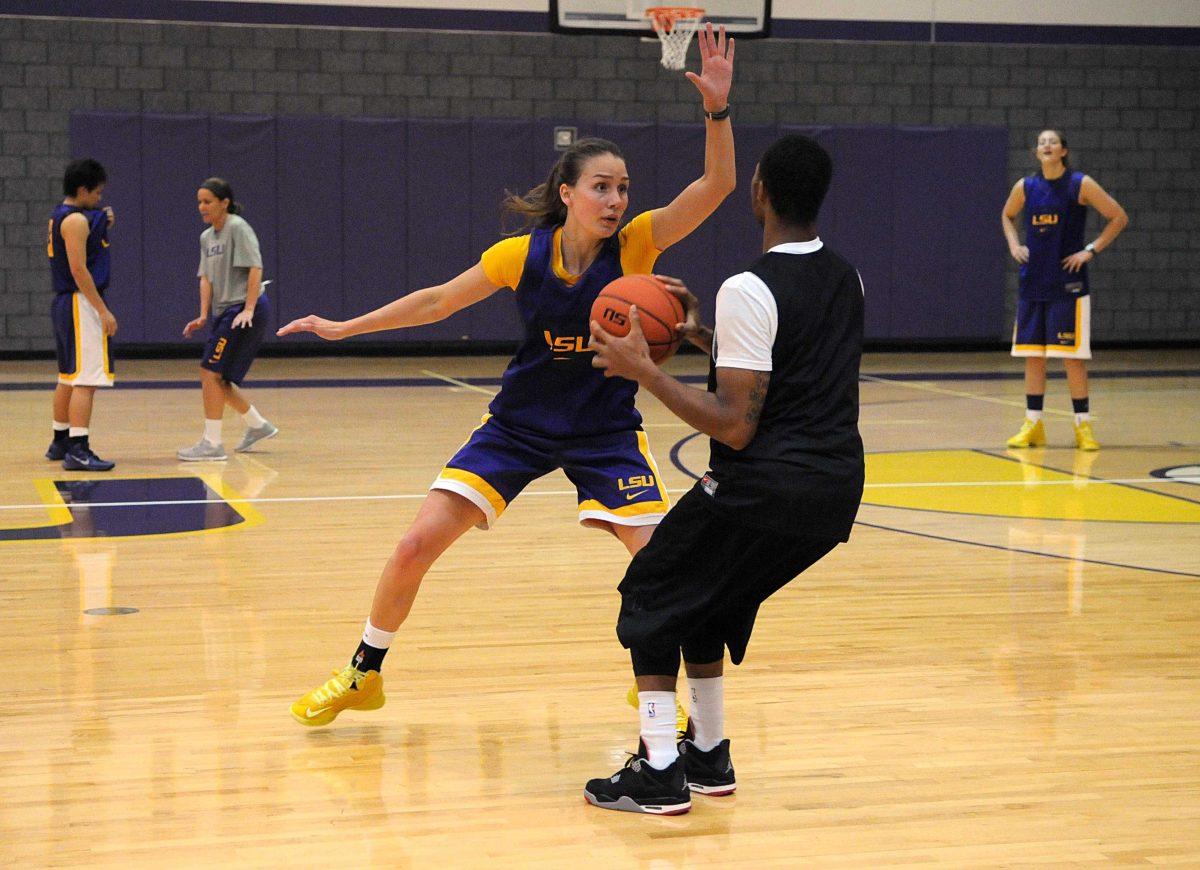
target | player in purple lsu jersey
x=77, y=244
x=1054, y=308
x=554, y=410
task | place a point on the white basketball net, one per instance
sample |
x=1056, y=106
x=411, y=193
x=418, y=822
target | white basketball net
x=675, y=27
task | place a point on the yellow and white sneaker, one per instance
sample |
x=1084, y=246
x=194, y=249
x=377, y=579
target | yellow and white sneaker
x=1031, y=435
x=681, y=716
x=1084, y=439
x=350, y=688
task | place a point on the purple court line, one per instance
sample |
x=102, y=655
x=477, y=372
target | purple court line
x=491, y=381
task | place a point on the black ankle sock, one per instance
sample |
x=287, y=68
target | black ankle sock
x=1034, y=402
x=77, y=439
x=367, y=657
x=62, y=434
x=1080, y=405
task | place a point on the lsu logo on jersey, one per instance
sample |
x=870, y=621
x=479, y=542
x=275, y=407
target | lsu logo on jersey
x=637, y=481
x=1044, y=222
x=215, y=250
x=218, y=350
x=567, y=343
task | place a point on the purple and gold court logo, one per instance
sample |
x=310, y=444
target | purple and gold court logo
x=121, y=508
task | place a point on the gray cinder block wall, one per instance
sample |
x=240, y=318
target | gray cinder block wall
x=1130, y=113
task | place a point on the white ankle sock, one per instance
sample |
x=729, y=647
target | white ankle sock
x=254, y=420
x=1082, y=418
x=657, y=712
x=61, y=427
x=1033, y=415
x=707, y=711
x=212, y=431
x=77, y=431
x=377, y=637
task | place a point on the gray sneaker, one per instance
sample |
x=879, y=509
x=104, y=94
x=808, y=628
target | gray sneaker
x=253, y=436
x=201, y=451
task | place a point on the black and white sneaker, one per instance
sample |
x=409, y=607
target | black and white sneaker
x=639, y=788
x=709, y=773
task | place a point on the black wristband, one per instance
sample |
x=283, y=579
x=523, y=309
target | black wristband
x=718, y=116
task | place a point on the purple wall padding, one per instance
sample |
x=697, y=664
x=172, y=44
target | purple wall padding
x=739, y=238
x=439, y=217
x=174, y=162
x=311, y=202
x=861, y=230
x=115, y=139
x=679, y=159
x=353, y=213
x=505, y=156
x=242, y=150
x=375, y=170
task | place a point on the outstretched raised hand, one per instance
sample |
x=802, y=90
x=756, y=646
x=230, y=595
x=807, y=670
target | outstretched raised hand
x=716, y=68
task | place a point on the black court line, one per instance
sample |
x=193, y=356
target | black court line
x=492, y=381
x=1026, y=552
x=675, y=460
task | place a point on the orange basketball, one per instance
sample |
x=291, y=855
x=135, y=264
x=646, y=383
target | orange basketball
x=658, y=309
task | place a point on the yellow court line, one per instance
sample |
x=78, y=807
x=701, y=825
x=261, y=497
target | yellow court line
x=960, y=394
x=58, y=512
x=234, y=499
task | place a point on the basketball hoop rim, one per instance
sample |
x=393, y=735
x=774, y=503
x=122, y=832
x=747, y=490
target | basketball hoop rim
x=666, y=16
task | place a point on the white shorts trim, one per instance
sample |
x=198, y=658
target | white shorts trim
x=473, y=496
x=616, y=520
x=92, y=367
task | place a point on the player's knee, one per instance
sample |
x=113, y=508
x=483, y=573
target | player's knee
x=414, y=548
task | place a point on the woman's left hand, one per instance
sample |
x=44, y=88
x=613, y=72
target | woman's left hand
x=716, y=68
x=1076, y=261
x=244, y=318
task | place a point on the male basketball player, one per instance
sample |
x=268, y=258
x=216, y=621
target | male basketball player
x=77, y=243
x=784, y=482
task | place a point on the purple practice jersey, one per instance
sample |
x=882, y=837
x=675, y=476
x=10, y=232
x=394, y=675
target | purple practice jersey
x=1054, y=227
x=98, y=260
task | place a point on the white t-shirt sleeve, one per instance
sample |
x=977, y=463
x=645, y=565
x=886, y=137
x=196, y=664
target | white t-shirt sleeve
x=746, y=322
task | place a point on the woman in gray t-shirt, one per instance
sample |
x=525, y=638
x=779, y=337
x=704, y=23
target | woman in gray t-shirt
x=231, y=285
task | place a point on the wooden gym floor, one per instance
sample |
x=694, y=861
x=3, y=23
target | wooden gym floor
x=1002, y=667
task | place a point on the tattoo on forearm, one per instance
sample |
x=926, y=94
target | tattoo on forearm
x=758, y=395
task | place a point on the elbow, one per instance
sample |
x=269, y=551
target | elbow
x=738, y=436
x=1123, y=219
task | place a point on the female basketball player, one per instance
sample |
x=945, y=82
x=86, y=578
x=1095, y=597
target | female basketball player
x=231, y=288
x=554, y=410
x=1054, y=309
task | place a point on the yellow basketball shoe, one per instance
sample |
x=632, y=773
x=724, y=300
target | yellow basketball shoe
x=350, y=688
x=1031, y=435
x=681, y=716
x=1084, y=439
